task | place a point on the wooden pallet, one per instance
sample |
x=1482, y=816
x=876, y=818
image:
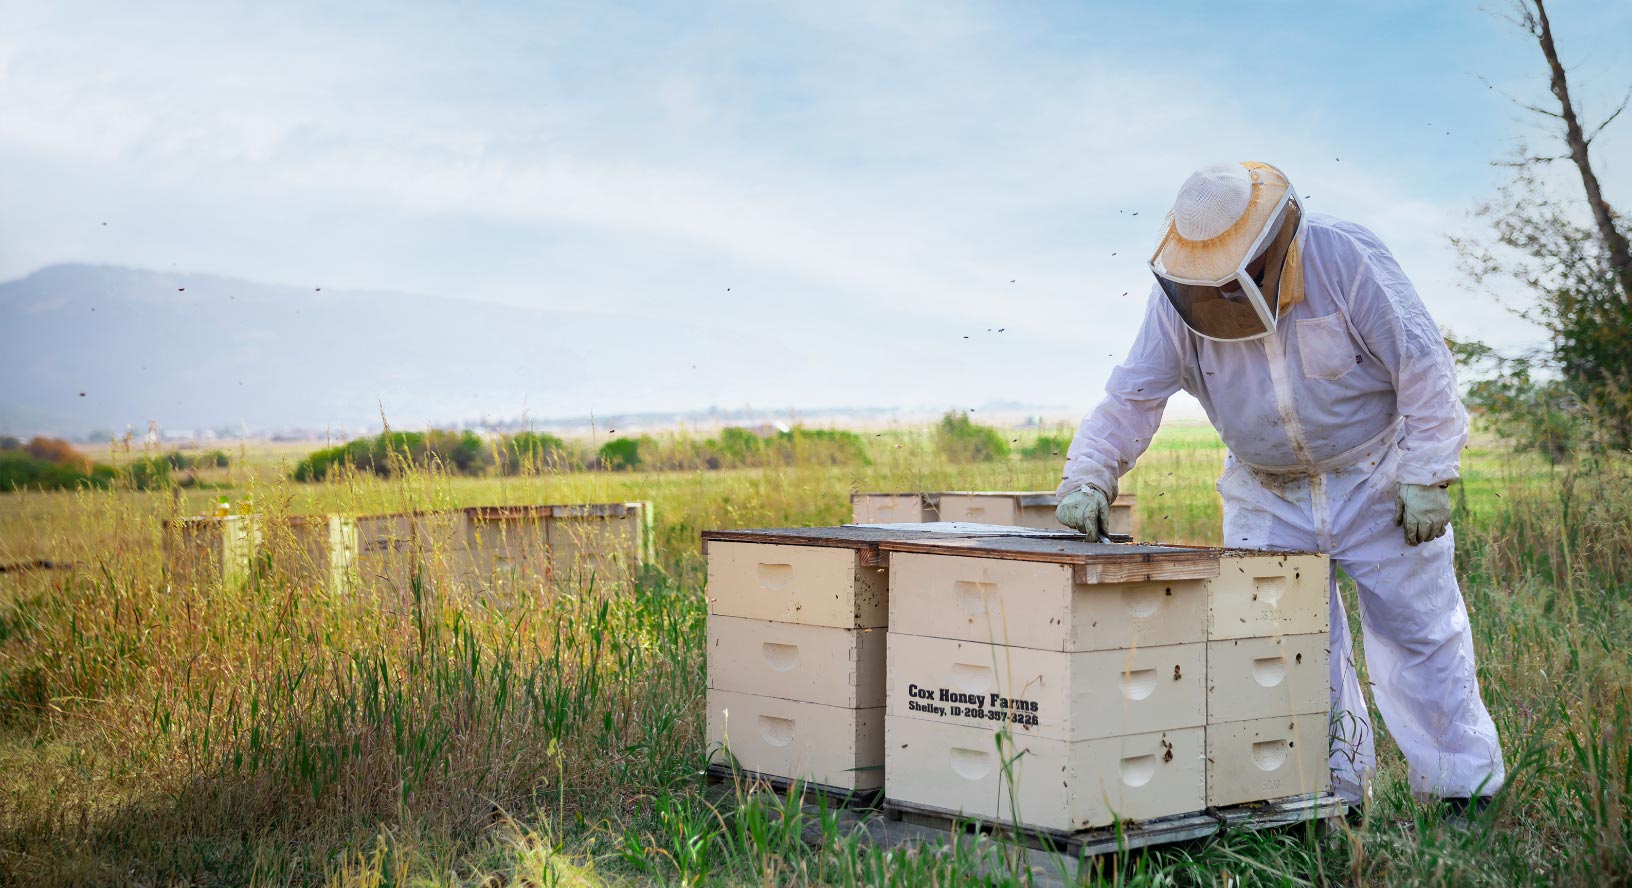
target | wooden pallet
x=854, y=799
x=1313, y=808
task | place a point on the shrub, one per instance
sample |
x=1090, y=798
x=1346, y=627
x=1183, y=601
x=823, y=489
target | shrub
x=960, y=439
x=20, y=471
x=58, y=452
x=1047, y=447
x=737, y=447
x=834, y=447
x=526, y=452
x=623, y=453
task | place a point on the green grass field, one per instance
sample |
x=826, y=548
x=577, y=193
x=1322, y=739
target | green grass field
x=270, y=735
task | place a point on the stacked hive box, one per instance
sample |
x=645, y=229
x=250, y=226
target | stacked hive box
x=309, y=551
x=1065, y=684
x=1268, y=684
x=395, y=549
x=518, y=547
x=796, y=634
x=894, y=508
x=204, y=552
x=493, y=548
x=989, y=507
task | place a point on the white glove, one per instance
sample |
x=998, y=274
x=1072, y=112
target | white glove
x=1423, y=510
x=1088, y=510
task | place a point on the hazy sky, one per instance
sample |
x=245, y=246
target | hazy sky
x=855, y=185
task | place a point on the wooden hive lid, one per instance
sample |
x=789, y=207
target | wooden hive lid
x=867, y=538
x=1091, y=562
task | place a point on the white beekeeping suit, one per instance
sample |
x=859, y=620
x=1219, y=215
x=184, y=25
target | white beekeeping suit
x=1349, y=394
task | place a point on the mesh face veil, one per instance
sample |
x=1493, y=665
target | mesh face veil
x=1230, y=287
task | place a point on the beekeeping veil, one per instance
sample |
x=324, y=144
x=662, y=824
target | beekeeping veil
x=1229, y=255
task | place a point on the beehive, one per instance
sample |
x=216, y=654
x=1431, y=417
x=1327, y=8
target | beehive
x=893, y=508
x=395, y=549
x=796, y=635
x=1093, y=664
x=600, y=542
x=201, y=553
x=1268, y=681
x=1020, y=509
x=309, y=552
x=522, y=547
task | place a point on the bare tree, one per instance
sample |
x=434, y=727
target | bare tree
x=1532, y=17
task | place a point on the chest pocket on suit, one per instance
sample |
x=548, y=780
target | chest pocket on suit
x=1325, y=347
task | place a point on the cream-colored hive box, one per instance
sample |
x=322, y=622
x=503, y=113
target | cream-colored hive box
x=1250, y=678
x=975, y=771
x=893, y=508
x=1083, y=695
x=819, y=664
x=1268, y=677
x=1069, y=596
x=1083, y=654
x=310, y=552
x=394, y=549
x=201, y=553
x=1264, y=594
x=796, y=649
x=1019, y=509
x=509, y=546
x=1267, y=758
x=600, y=542
x=1090, y=658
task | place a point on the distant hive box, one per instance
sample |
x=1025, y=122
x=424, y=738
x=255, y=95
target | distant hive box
x=796, y=634
x=395, y=550
x=509, y=545
x=202, y=553
x=309, y=552
x=893, y=508
x=522, y=546
x=600, y=541
x=1095, y=661
x=1020, y=509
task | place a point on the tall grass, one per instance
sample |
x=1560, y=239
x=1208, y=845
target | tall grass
x=267, y=734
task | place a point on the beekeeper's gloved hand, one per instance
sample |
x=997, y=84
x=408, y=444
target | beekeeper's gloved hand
x=1087, y=510
x=1423, y=510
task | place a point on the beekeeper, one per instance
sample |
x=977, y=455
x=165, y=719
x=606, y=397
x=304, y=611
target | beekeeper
x=1336, y=396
